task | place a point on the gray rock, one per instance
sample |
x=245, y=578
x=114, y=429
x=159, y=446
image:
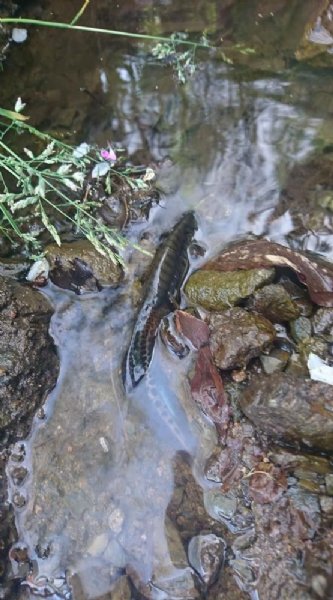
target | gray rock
x=329, y=484
x=277, y=360
x=323, y=323
x=206, y=556
x=221, y=507
x=300, y=328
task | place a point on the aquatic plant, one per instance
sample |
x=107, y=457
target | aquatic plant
x=46, y=187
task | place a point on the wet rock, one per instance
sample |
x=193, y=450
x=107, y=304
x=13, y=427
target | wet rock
x=18, y=475
x=299, y=296
x=326, y=504
x=301, y=329
x=206, y=556
x=98, y=544
x=79, y=267
x=226, y=588
x=297, y=366
x=314, y=345
x=220, y=506
x=276, y=360
x=243, y=571
x=329, y=484
x=274, y=303
x=291, y=409
x=28, y=362
x=116, y=519
x=178, y=585
x=323, y=323
x=215, y=290
x=290, y=461
x=237, y=336
x=307, y=505
x=244, y=541
x=114, y=211
x=13, y=267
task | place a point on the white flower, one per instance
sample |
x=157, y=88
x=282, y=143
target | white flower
x=19, y=105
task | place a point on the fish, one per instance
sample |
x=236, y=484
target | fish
x=161, y=293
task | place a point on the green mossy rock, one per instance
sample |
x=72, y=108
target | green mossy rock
x=215, y=290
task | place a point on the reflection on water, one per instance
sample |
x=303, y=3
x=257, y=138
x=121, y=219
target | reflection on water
x=101, y=464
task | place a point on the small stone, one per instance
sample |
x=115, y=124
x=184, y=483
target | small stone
x=326, y=504
x=18, y=475
x=277, y=360
x=237, y=336
x=19, y=500
x=323, y=323
x=115, y=554
x=319, y=585
x=98, y=545
x=274, y=303
x=329, y=484
x=239, y=375
x=312, y=345
x=206, y=556
x=121, y=589
x=243, y=570
x=116, y=520
x=301, y=328
x=219, y=506
x=242, y=542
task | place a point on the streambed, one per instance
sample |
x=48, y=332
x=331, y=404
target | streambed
x=111, y=501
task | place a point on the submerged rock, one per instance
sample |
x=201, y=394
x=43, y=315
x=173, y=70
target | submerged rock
x=292, y=409
x=215, y=290
x=237, y=336
x=206, y=555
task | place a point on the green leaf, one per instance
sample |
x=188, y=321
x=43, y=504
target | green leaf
x=70, y=184
x=64, y=169
x=28, y=201
x=46, y=222
x=28, y=152
x=40, y=188
x=10, y=219
x=12, y=115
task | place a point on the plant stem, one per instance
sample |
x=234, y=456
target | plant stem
x=80, y=12
x=59, y=25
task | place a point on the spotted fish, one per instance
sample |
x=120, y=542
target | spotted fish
x=168, y=271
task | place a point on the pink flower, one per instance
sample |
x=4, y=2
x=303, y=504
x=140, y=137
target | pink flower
x=108, y=154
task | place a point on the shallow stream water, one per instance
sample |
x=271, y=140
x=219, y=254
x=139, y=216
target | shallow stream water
x=101, y=465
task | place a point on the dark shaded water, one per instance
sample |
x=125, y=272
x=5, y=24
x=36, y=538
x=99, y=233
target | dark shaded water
x=225, y=143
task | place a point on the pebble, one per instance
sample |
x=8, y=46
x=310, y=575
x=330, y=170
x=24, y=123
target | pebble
x=220, y=506
x=206, y=556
